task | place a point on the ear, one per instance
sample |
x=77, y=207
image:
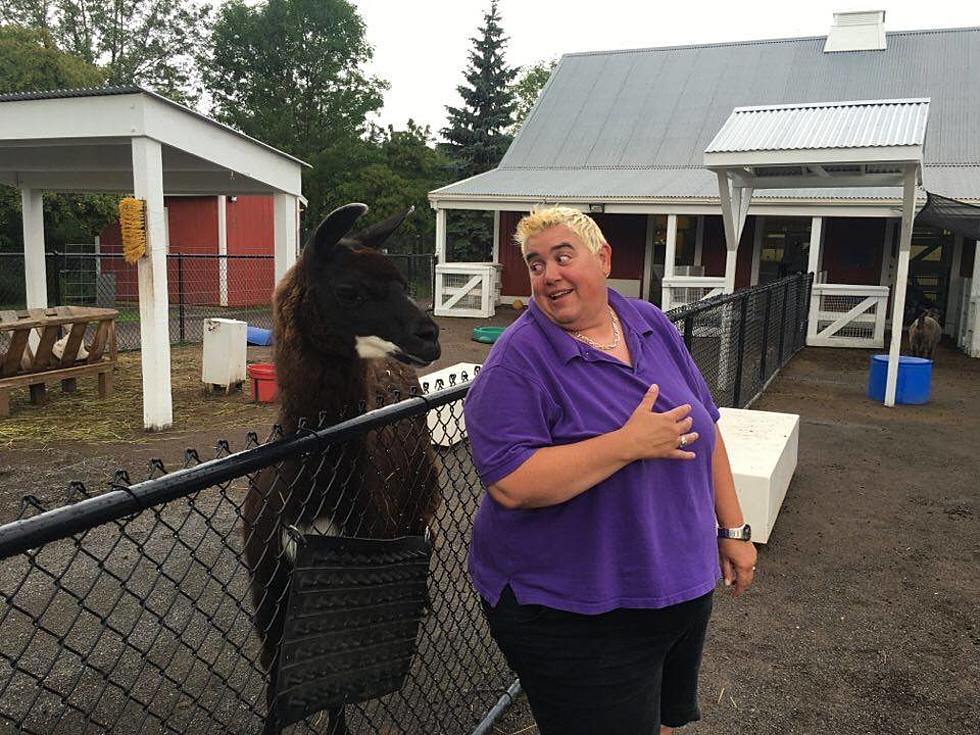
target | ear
x=375, y=235
x=335, y=226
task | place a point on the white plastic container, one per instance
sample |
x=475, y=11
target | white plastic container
x=224, y=353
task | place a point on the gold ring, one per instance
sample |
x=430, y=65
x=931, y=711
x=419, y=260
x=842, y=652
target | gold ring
x=683, y=441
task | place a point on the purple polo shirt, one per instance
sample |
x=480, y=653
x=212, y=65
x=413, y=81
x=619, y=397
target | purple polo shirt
x=643, y=538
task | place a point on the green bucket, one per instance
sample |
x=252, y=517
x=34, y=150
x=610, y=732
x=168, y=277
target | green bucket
x=487, y=335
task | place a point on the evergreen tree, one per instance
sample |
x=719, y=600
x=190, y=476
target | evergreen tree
x=477, y=135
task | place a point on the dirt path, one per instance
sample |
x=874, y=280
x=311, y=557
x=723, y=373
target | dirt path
x=864, y=617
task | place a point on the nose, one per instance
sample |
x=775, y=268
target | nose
x=551, y=273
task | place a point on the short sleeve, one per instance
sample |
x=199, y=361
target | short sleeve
x=695, y=379
x=508, y=418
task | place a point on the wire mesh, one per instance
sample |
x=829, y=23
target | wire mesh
x=200, y=286
x=135, y=610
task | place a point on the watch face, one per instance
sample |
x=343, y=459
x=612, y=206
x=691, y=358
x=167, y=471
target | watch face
x=747, y=532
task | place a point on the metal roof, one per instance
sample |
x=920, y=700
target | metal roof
x=688, y=183
x=635, y=124
x=870, y=124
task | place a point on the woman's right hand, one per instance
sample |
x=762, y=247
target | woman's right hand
x=651, y=435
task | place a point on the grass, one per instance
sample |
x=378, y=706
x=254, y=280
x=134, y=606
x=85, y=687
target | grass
x=84, y=417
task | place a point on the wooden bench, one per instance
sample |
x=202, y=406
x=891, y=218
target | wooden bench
x=20, y=365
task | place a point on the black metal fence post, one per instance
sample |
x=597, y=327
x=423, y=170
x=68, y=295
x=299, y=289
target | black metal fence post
x=688, y=331
x=180, y=295
x=740, y=351
x=765, y=338
x=783, y=325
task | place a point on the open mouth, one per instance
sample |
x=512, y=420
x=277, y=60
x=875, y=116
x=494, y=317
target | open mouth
x=560, y=294
x=407, y=359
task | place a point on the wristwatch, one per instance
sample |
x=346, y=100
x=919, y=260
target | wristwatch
x=742, y=533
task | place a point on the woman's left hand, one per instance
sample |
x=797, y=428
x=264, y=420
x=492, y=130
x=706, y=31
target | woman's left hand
x=737, y=563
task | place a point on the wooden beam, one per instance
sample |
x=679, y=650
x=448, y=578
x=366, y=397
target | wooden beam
x=152, y=274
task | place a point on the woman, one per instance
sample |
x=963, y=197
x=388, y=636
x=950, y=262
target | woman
x=596, y=548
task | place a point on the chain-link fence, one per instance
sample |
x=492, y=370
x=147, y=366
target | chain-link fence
x=199, y=286
x=159, y=607
x=740, y=340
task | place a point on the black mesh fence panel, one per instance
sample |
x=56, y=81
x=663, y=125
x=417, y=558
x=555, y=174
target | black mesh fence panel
x=200, y=286
x=135, y=610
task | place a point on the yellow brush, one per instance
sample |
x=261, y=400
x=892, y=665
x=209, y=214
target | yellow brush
x=132, y=222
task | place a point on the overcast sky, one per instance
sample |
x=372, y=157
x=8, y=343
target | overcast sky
x=421, y=46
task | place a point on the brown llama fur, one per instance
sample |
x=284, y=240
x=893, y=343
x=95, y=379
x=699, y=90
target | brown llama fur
x=383, y=484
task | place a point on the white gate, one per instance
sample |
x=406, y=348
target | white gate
x=467, y=289
x=684, y=290
x=843, y=315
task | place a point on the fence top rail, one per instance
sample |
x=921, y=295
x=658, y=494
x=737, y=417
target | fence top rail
x=852, y=289
x=697, y=307
x=124, y=500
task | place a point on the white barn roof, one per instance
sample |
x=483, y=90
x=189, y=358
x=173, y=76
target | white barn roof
x=79, y=140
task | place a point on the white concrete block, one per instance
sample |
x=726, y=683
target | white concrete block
x=446, y=423
x=762, y=447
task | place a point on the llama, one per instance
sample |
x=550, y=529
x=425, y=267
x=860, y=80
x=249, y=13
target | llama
x=345, y=330
x=924, y=334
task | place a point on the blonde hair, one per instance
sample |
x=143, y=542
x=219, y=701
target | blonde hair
x=578, y=222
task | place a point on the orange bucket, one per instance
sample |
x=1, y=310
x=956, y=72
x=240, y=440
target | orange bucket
x=263, y=375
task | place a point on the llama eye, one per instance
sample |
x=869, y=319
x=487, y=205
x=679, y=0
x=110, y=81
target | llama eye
x=348, y=294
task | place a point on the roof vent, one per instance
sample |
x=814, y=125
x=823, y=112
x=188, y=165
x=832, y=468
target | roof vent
x=857, y=31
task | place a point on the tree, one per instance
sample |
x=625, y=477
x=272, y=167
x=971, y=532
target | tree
x=477, y=135
x=404, y=168
x=530, y=81
x=146, y=42
x=290, y=73
x=31, y=62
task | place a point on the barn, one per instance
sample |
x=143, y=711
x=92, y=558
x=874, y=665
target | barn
x=227, y=241
x=622, y=134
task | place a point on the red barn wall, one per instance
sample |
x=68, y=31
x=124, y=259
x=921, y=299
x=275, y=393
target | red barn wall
x=714, y=251
x=852, y=249
x=250, y=227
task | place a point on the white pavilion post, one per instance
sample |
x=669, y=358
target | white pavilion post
x=813, y=266
x=35, y=269
x=440, y=235
x=901, y=282
x=222, y=203
x=154, y=301
x=646, y=290
x=731, y=231
x=285, y=231
x=973, y=347
x=670, y=258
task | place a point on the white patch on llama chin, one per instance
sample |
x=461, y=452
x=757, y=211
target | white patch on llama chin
x=373, y=348
x=320, y=527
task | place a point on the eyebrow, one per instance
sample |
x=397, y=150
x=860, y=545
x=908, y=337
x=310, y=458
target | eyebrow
x=559, y=246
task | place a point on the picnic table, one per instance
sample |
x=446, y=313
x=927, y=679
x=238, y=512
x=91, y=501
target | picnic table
x=57, y=357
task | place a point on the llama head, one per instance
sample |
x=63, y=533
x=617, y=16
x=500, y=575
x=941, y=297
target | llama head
x=359, y=292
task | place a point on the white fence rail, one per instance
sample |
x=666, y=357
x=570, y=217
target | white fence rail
x=684, y=290
x=844, y=315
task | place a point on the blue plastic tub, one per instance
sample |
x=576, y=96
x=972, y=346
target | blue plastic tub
x=259, y=336
x=914, y=379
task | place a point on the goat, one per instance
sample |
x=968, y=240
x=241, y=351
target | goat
x=924, y=334
x=345, y=330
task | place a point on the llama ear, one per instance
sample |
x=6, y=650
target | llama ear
x=335, y=226
x=375, y=235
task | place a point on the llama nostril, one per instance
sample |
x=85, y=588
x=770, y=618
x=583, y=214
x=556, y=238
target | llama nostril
x=427, y=330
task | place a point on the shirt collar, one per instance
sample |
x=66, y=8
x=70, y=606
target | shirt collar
x=566, y=346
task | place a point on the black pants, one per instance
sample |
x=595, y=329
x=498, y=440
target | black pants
x=624, y=672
